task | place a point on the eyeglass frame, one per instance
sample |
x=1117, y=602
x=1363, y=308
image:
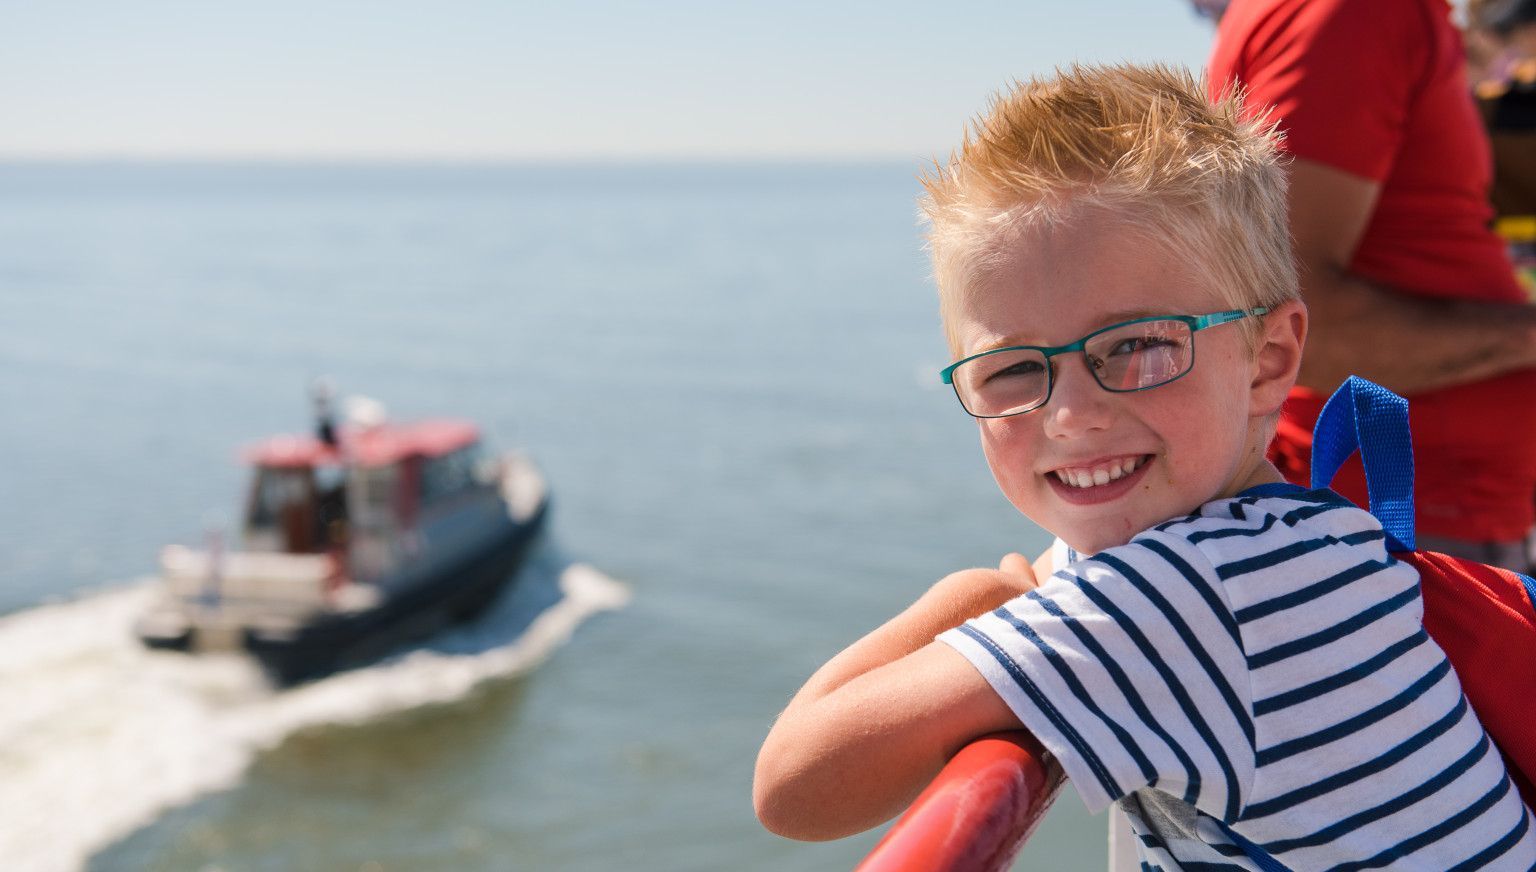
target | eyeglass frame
x=1196, y=323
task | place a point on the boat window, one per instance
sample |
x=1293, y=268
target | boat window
x=275, y=489
x=371, y=500
x=449, y=473
x=331, y=506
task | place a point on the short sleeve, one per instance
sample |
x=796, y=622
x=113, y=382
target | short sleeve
x=1338, y=75
x=1129, y=668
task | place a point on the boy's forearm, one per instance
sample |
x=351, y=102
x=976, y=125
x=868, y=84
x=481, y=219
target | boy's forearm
x=855, y=745
x=848, y=761
x=951, y=602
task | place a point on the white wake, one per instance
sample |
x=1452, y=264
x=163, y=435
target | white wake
x=99, y=736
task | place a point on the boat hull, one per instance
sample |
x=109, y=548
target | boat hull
x=455, y=593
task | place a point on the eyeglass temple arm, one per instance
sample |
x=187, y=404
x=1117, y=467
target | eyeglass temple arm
x=1216, y=318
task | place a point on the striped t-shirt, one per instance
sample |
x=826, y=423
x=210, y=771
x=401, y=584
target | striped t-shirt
x=1257, y=672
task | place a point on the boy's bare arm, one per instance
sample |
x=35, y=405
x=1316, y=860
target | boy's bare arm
x=1405, y=342
x=873, y=726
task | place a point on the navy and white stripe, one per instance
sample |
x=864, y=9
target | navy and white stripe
x=1258, y=672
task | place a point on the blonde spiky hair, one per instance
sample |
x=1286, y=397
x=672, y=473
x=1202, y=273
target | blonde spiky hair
x=1139, y=142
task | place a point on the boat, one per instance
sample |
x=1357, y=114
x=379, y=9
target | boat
x=357, y=539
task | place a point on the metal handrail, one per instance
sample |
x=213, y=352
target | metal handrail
x=977, y=812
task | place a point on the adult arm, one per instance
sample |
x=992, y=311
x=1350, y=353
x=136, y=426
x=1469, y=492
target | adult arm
x=1407, y=343
x=1343, y=78
x=874, y=725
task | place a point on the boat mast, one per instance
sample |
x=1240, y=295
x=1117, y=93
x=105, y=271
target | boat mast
x=325, y=419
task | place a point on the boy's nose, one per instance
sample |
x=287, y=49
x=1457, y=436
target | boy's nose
x=1078, y=404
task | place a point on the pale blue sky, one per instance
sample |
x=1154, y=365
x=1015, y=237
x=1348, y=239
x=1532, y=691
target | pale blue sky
x=476, y=79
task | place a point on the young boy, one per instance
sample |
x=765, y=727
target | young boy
x=1235, y=661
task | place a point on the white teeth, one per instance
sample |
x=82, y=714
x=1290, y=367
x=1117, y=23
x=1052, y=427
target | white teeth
x=1086, y=478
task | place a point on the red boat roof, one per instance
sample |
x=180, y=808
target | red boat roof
x=373, y=446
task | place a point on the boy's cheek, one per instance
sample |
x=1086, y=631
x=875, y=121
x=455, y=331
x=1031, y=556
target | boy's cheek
x=1016, y=479
x=1007, y=436
x=1007, y=452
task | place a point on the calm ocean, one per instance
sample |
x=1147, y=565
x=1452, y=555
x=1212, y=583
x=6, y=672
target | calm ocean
x=727, y=373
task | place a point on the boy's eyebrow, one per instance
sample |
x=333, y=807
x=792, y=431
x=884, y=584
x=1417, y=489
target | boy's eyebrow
x=1116, y=317
x=1130, y=315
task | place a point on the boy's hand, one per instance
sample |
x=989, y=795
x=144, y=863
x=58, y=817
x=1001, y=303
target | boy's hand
x=1017, y=565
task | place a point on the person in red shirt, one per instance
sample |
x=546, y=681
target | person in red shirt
x=1406, y=283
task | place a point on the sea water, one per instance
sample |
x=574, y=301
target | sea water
x=726, y=372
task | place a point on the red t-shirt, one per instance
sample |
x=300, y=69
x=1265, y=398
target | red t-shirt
x=1377, y=88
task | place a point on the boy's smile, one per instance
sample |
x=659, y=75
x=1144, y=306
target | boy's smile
x=1092, y=466
x=1099, y=480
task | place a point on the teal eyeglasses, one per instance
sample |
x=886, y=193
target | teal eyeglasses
x=1129, y=356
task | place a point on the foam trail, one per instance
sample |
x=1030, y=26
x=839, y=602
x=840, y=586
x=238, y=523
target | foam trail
x=99, y=736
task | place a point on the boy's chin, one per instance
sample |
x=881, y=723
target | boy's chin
x=1087, y=537
x=1104, y=533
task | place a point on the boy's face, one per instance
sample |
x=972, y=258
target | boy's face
x=1189, y=441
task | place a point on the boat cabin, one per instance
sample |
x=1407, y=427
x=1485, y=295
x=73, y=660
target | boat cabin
x=360, y=494
x=356, y=539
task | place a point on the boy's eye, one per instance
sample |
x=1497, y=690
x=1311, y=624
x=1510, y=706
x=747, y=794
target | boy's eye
x=1018, y=369
x=1133, y=344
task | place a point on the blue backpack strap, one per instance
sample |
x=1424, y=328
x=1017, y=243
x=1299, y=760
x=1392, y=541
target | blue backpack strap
x=1260, y=857
x=1367, y=416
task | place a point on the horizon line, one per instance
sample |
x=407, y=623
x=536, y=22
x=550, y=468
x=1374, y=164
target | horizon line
x=364, y=160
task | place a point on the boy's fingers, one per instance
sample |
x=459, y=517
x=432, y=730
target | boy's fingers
x=1014, y=564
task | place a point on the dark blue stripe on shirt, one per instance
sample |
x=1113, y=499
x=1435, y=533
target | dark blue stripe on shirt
x=1128, y=688
x=1272, y=558
x=1404, y=800
x=1336, y=632
x=1173, y=681
x=1434, y=833
x=1398, y=753
x=1026, y=684
x=1170, y=524
x=1497, y=849
x=1333, y=682
x=1292, y=551
x=1276, y=753
x=1226, y=849
x=1196, y=647
x=1213, y=601
x=1078, y=690
x=1309, y=594
x=1289, y=519
x=1223, y=613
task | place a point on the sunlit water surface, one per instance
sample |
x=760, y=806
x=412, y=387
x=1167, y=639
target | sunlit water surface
x=726, y=373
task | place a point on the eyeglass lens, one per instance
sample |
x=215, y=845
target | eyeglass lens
x=1132, y=357
x=1140, y=356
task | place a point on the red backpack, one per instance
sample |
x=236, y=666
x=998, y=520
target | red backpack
x=1483, y=617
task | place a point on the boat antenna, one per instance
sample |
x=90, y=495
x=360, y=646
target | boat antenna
x=325, y=420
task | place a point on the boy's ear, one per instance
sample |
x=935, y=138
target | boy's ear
x=1277, y=356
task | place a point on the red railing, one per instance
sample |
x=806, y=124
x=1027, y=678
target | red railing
x=976, y=814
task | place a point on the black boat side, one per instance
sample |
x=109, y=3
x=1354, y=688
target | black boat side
x=454, y=594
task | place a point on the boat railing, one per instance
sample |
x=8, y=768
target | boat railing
x=298, y=580
x=977, y=812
